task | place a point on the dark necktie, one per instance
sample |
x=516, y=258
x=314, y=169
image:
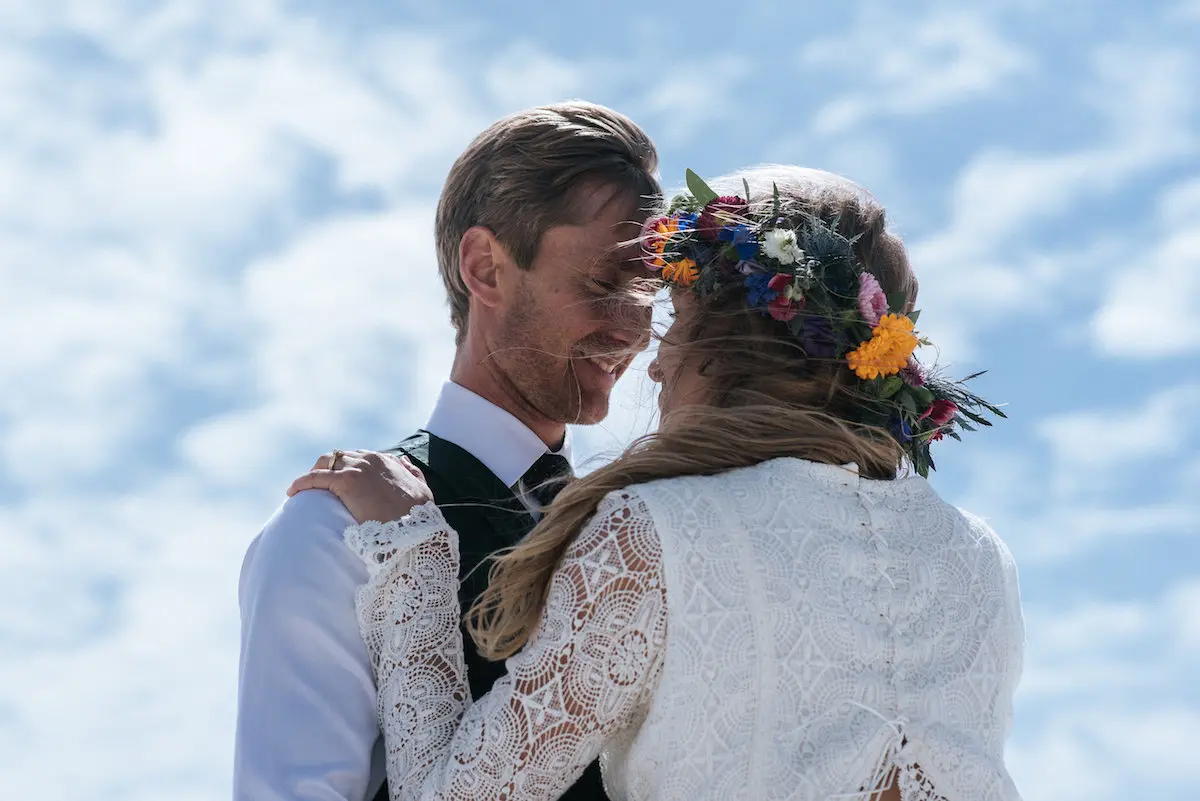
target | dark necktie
x=549, y=474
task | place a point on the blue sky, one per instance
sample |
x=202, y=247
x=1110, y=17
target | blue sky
x=217, y=262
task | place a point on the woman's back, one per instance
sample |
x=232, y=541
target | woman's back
x=823, y=630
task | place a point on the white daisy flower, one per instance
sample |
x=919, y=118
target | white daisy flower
x=780, y=244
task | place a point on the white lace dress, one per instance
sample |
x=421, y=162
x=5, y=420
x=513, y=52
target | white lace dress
x=783, y=631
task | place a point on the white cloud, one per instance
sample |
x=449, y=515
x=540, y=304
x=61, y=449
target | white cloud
x=125, y=672
x=1150, y=308
x=1109, y=751
x=1085, y=442
x=685, y=101
x=524, y=76
x=1186, y=11
x=1104, y=686
x=338, y=325
x=913, y=64
x=987, y=261
x=1091, y=480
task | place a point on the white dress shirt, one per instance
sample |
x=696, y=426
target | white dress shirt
x=306, y=725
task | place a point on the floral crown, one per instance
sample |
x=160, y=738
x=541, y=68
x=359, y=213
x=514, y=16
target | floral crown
x=800, y=271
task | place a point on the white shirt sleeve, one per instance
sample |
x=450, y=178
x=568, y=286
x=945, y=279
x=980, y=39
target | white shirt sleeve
x=306, y=723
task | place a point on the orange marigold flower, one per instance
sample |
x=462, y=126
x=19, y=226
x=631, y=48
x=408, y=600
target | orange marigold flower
x=896, y=325
x=888, y=349
x=682, y=272
x=657, y=246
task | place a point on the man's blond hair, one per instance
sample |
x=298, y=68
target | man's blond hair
x=518, y=178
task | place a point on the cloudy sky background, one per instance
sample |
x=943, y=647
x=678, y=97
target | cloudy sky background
x=216, y=262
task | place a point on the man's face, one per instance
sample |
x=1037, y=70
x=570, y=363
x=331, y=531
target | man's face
x=574, y=326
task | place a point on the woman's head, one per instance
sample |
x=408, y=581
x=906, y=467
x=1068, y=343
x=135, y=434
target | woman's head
x=718, y=351
x=737, y=390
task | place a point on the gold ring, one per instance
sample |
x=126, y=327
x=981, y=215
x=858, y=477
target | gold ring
x=333, y=462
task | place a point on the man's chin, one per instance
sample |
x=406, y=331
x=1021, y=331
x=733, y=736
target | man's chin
x=593, y=409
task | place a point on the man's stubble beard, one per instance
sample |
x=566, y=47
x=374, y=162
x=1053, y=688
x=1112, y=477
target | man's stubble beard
x=542, y=373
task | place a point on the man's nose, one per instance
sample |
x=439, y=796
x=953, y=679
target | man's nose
x=625, y=337
x=632, y=329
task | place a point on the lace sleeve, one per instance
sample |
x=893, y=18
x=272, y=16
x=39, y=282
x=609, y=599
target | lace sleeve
x=587, y=672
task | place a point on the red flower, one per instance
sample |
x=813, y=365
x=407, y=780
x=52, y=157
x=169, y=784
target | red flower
x=779, y=282
x=655, y=234
x=937, y=436
x=940, y=412
x=719, y=213
x=782, y=309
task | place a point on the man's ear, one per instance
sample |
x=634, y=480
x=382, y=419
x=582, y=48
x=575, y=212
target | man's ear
x=481, y=262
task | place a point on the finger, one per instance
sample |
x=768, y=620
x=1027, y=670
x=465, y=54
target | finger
x=314, y=479
x=353, y=459
x=412, y=468
x=325, y=460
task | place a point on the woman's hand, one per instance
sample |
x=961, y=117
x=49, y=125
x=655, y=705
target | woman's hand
x=373, y=486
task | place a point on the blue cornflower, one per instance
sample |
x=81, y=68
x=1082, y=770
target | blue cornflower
x=757, y=291
x=742, y=238
x=901, y=430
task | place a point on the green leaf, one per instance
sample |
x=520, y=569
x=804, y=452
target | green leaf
x=746, y=186
x=908, y=402
x=914, y=316
x=891, y=386
x=896, y=301
x=924, y=396
x=700, y=190
x=983, y=421
x=681, y=202
x=775, y=196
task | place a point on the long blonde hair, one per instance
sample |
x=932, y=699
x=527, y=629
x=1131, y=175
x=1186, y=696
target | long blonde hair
x=766, y=400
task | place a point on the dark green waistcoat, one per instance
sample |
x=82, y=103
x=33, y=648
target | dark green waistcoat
x=487, y=517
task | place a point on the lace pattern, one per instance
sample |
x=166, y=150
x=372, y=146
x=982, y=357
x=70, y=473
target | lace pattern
x=587, y=672
x=828, y=634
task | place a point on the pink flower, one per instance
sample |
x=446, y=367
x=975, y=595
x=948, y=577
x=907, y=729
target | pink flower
x=717, y=214
x=872, y=303
x=912, y=373
x=782, y=309
x=940, y=412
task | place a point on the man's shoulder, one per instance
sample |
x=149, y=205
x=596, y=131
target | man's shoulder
x=415, y=446
x=444, y=462
x=303, y=536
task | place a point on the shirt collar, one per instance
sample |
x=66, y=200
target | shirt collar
x=501, y=442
